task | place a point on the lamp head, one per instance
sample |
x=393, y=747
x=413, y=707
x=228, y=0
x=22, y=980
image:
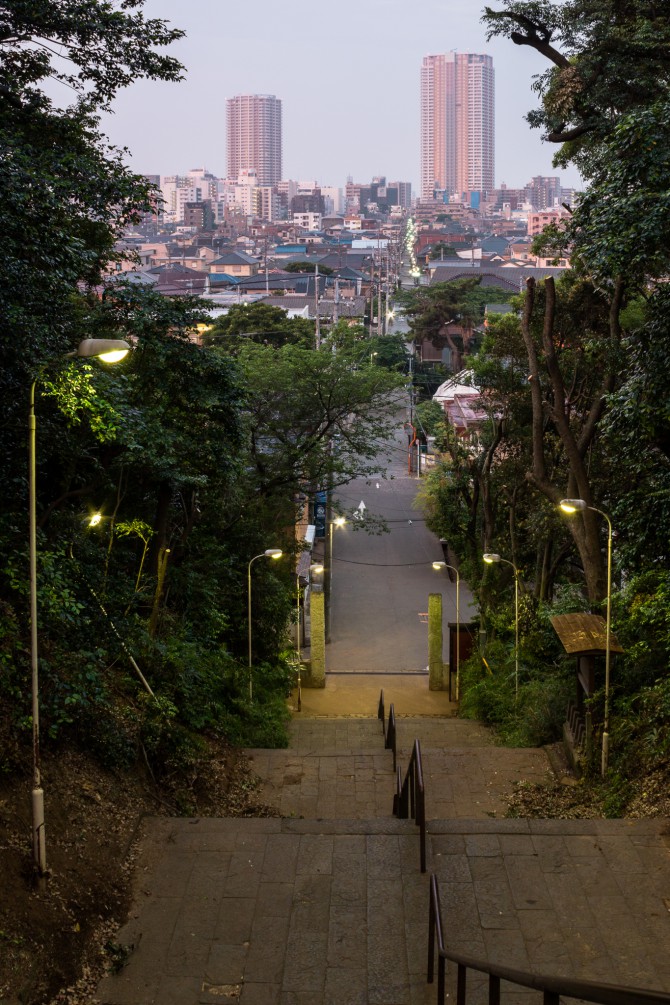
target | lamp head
x=316, y=567
x=273, y=552
x=572, y=505
x=439, y=565
x=95, y=520
x=339, y=521
x=109, y=350
x=491, y=558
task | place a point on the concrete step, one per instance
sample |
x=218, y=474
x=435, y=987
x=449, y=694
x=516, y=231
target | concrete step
x=339, y=768
x=308, y=912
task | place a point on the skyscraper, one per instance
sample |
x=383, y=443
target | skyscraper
x=457, y=123
x=254, y=136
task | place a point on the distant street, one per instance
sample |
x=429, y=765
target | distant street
x=381, y=583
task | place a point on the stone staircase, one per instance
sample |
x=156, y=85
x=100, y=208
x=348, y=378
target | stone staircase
x=325, y=904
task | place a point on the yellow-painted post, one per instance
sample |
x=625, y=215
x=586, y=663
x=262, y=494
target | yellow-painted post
x=435, y=665
x=318, y=637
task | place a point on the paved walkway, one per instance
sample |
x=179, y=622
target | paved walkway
x=326, y=904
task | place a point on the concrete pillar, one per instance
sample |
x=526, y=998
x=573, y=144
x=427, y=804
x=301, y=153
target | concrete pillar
x=435, y=665
x=317, y=676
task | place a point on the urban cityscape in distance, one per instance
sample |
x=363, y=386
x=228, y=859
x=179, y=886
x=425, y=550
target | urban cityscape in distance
x=457, y=155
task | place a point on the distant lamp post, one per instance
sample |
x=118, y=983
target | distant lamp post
x=316, y=568
x=570, y=507
x=492, y=559
x=339, y=521
x=372, y=357
x=268, y=553
x=110, y=351
x=438, y=566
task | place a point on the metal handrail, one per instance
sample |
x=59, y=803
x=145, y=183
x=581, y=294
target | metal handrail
x=390, y=734
x=551, y=987
x=411, y=798
x=391, y=742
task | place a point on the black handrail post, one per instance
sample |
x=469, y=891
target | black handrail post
x=461, y=984
x=431, y=933
x=422, y=828
x=380, y=711
x=391, y=742
x=494, y=990
x=440, y=980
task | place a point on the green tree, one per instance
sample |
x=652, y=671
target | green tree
x=324, y=270
x=259, y=323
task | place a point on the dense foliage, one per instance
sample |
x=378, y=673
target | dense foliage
x=575, y=394
x=195, y=458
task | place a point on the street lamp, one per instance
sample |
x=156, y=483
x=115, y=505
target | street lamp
x=491, y=559
x=339, y=521
x=110, y=351
x=317, y=568
x=268, y=553
x=443, y=565
x=570, y=507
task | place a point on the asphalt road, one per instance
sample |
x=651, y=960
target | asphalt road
x=381, y=582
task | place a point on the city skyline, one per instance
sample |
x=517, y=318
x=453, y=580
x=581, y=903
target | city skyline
x=457, y=124
x=349, y=87
x=254, y=137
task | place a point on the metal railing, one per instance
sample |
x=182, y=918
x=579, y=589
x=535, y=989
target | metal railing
x=410, y=799
x=390, y=734
x=551, y=988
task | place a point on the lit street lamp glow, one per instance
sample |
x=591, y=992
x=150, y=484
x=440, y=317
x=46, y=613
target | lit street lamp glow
x=570, y=507
x=110, y=351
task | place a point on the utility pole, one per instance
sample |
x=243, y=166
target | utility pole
x=317, y=328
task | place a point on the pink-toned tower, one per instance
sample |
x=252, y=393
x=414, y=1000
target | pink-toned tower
x=254, y=137
x=457, y=123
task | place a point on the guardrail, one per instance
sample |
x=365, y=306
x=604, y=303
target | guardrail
x=410, y=799
x=551, y=987
x=390, y=734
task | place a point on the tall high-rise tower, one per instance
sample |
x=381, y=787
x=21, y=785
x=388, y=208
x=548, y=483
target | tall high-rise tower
x=457, y=123
x=254, y=136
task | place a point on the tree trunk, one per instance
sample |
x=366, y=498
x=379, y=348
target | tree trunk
x=584, y=526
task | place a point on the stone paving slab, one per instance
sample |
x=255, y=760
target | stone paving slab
x=322, y=776
x=287, y=911
x=325, y=905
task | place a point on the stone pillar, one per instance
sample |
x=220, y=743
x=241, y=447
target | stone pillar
x=435, y=665
x=318, y=640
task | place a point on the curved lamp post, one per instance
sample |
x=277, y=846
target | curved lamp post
x=317, y=568
x=110, y=351
x=491, y=559
x=443, y=565
x=570, y=507
x=339, y=521
x=268, y=553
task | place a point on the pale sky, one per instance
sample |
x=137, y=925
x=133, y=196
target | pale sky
x=348, y=77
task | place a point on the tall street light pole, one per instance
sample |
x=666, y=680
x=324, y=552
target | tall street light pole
x=443, y=565
x=339, y=521
x=268, y=553
x=491, y=559
x=317, y=568
x=110, y=351
x=571, y=506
